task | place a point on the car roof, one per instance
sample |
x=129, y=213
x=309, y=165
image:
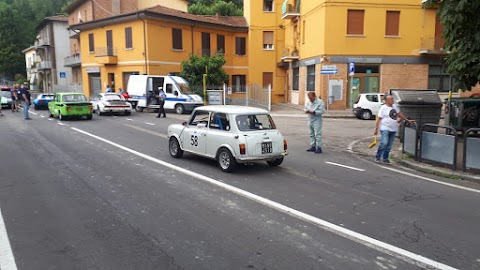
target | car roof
x=234, y=109
x=69, y=93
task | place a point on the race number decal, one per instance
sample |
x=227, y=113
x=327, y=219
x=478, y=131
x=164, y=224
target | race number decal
x=194, y=140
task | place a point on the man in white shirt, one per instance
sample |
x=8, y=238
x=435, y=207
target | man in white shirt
x=388, y=120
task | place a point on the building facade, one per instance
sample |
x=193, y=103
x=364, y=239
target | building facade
x=155, y=41
x=45, y=58
x=392, y=45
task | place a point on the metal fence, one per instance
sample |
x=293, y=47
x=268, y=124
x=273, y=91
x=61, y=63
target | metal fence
x=410, y=139
x=471, y=155
x=254, y=95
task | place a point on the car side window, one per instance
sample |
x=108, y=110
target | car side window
x=219, y=121
x=374, y=98
x=169, y=88
x=370, y=98
x=200, y=117
x=57, y=98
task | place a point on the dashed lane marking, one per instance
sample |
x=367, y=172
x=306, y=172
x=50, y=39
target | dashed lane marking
x=150, y=124
x=129, y=119
x=34, y=113
x=61, y=124
x=7, y=261
x=345, y=166
x=386, y=248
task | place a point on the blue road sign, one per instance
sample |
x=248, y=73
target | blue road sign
x=329, y=71
x=351, y=68
x=63, y=75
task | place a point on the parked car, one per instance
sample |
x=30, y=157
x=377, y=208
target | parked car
x=70, y=105
x=5, y=99
x=42, y=100
x=367, y=105
x=111, y=103
x=230, y=135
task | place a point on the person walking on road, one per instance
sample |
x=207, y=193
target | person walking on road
x=14, y=97
x=25, y=101
x=161, y=102
x=315, y=108
x=387, y=121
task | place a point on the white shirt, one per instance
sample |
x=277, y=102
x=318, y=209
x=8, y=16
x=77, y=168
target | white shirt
x=389, y=117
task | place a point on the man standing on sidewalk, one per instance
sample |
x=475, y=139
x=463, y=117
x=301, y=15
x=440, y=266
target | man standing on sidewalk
x=315, y=109
x=26, y=101
x=387, y=121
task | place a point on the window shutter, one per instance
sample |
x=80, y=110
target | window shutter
x=268, y=37
x=177, y=41
x=128, y=38
x=91, y=44
x=393, y=23
x=355, y=22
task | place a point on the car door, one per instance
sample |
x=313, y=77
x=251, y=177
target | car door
x=194, y=135
x=218, y=133
x=52, y=106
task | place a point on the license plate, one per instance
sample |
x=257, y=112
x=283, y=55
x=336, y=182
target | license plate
x=266, y=147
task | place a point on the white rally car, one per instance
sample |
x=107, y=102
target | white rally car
x=111, y=103
x=230, y=135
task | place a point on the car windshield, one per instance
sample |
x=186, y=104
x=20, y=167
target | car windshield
x=47, y=97
x=185, y=88
x=113, y=97
x=5, y=94
x=254, y=122
x=74, y=98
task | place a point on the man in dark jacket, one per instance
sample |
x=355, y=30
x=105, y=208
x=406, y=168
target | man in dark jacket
x=25, y=94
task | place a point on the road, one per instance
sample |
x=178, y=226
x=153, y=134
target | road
x=105, y=194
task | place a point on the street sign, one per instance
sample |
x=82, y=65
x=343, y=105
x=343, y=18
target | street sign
x=328, y=71
x=63, y=75
x=329, y=67
x=351, y=68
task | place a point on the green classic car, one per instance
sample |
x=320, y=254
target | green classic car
x=66, y=105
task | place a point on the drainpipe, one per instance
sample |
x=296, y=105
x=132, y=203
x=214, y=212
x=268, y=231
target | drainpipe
x=193, y=46
x=144, y=43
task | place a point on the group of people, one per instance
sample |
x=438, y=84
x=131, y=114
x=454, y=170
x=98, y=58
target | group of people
x=388, y=119
x=20, y=95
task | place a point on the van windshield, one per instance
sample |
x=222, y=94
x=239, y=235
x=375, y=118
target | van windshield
x=185, y=88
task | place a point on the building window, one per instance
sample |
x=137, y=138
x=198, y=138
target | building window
x=296, y=78
x=355, y=22
x=240, y=46
x=393, y=23
x=268, y=5
x=177, y=41
x=91, y=43
x=439, y=79
x=311, y=78
x=268, y=40
x=239, y=83
x=206, y=44
x=128, y=38
x=221, y=44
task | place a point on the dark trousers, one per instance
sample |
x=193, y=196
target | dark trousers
x=161, y=110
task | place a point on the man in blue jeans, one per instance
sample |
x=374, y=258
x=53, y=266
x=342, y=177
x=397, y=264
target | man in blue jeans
x=387, y=119
x=25, y=94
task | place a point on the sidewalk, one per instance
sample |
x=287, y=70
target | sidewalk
x=399, y=159
x=292, y=110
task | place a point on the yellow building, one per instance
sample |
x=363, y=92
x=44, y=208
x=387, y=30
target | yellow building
x=392, y=45
x=155, y=41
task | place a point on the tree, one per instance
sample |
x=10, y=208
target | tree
x=213, y=7
x=461, y=26
x=195, y=67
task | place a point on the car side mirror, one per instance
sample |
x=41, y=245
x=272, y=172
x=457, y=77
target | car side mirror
x=202, y=125
x=176, y=93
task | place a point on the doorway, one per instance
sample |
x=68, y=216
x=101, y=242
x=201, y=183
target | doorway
x=95, y=84
x=366, y=80
x=111, y=81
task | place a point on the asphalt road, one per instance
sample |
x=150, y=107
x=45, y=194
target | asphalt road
x=105, y=194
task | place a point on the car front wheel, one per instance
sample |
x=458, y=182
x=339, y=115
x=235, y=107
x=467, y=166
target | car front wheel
x=174, y=148
x=60, y=116
x=275, y=162
x=179, y=109
x=226, y=161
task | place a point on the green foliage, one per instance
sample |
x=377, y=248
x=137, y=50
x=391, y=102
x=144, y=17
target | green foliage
x=213, y=7
x=461, y=26
x=195, y=67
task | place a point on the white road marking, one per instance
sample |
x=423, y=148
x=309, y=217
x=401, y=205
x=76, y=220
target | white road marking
x=345, y=166
x=43, y=116
x=61, y=124
x=50, y=119
x=150, y=124
x=34, y=113
x=400, y=253
x=7, y=261
x=431, y=180
x=129, y=119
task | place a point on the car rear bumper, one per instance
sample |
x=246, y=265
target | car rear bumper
x=261, y=158
x=116, y=109
x=357, y=111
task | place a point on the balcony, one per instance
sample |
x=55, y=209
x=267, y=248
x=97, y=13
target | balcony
x=43, y=65
x=432, y=46
x=290, y=11
x=290, y=54
x=106, y=55
x=73, y=60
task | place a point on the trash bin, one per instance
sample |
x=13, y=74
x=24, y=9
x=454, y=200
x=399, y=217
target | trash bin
x=423, y=106
x=463, y=113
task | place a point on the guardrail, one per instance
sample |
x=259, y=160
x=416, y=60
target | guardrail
x=471, y=152
x=437, y=147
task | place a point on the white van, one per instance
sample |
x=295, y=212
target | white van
x=143, y=88
x=367, y=105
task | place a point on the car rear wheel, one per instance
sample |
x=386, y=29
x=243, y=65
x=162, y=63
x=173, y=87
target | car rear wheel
x=35, y=107
x=179, y=109
x=128, y=113
x=89, y=117
x=174, y=148
x=138, y=109
x=275, y=162
x=226, y=161
x=98, y=111
x=366, y=114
